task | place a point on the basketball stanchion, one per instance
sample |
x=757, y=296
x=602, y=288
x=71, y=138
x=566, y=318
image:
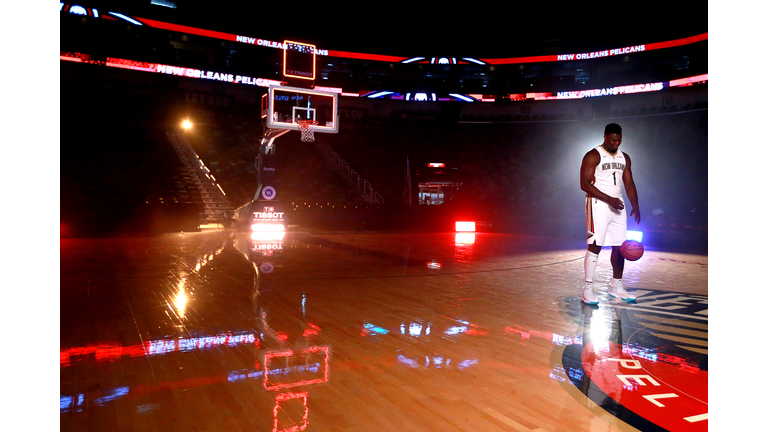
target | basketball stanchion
x=307, y=128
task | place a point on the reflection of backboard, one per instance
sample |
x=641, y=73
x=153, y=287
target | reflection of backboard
x=285, y=369
x=285, y=106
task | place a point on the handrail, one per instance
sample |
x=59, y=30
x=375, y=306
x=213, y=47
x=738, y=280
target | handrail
x=364, y=187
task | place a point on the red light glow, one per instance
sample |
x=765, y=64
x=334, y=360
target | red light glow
x=464, y=238
x=465, y=226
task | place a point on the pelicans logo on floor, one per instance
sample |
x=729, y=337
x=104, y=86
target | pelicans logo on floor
x=644, y=362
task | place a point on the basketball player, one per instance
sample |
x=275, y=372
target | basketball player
x=604, y=170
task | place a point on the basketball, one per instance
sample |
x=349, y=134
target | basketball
x=632, y=250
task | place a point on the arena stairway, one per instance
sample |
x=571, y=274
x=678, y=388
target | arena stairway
x=363, y=186
x=216, y=204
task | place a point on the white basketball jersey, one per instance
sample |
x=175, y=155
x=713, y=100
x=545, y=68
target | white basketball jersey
x=609, y=172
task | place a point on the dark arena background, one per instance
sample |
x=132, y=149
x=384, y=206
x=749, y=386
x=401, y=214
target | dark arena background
x=361, y=303
x=510, y=131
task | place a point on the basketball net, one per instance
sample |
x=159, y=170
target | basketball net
x=307, y=128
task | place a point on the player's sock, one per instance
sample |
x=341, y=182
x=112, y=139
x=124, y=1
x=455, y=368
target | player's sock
x=590, y=264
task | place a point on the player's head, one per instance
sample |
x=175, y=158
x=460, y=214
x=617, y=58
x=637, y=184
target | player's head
x=612, y=128
x=612, y=137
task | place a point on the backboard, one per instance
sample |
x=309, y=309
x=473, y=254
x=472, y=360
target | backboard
x=285, y=106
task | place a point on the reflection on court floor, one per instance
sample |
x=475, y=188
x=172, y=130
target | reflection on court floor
x=363, y=332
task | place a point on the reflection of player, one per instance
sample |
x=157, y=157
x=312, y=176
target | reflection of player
x=603, y=171
x=280, y=314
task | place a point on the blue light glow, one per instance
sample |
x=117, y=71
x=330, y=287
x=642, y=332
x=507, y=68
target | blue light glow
x=406, y=361
x=375, y=329
x=65, y=402
x=130, y=20
x=461, y=97
x=421, y=97
x=456, y=330
x=414, y=329
x=379, y=94
x=165, y=3
x=635, y=235
x=244, y=374
x=78, y=10
x=467, y=363
x=116, y=393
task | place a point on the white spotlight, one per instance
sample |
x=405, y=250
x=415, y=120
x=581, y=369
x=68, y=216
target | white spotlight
x=635, y=235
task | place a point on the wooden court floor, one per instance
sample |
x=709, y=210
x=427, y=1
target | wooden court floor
x=218, y=331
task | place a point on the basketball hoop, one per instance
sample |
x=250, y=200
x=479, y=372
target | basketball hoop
x=307, y=128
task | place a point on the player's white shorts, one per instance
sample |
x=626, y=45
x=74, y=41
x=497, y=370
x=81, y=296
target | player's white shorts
x=606, y=226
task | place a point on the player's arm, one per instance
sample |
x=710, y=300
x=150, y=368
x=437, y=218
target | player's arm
x=629, y=187
x=587, y=174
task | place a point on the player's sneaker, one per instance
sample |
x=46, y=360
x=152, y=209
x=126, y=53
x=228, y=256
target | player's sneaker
x=588, y=295
x=617, y=290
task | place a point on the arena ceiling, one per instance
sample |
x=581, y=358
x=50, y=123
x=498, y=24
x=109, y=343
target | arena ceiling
x=488, y=29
